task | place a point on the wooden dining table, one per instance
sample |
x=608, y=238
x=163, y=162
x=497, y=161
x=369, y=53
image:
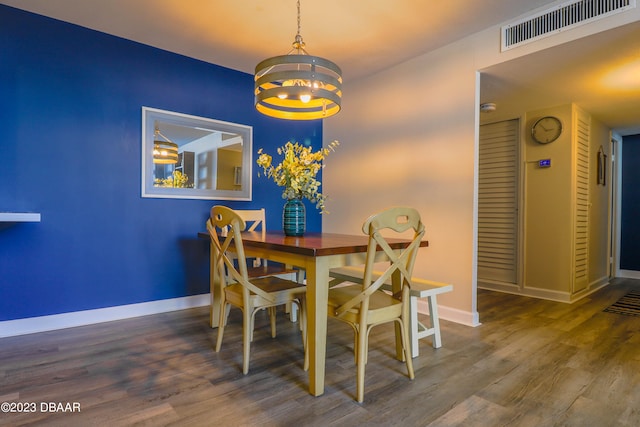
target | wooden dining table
x=316, y=253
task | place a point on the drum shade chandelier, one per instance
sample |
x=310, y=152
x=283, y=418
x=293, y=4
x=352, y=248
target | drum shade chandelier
x=164, y=152
x=298, y=86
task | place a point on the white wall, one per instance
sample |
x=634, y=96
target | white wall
x=548, y=207
x=409, y=136
x=599, y=221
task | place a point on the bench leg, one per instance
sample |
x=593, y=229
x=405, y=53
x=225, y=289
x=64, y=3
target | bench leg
x=435, y=321
x=292, y=309
x=413, y=333
x=419, y=331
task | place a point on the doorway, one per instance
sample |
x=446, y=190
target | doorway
x=498, y=203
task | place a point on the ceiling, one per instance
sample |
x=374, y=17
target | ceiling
x=600, y=73
x=367, y=36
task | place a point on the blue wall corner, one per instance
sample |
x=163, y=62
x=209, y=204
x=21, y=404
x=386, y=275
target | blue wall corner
x=630, y=209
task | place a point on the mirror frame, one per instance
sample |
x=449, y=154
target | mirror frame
x=151, y=115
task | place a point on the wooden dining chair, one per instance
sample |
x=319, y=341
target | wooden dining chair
x=365, y=305
x=255, y=220
x=238, y=289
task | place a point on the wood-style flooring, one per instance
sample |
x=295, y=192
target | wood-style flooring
x=531, y=363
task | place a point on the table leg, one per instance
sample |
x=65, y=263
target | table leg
x=317, y=295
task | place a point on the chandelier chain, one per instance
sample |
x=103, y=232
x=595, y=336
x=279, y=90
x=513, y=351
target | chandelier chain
x=298, y=43
x=298, y=17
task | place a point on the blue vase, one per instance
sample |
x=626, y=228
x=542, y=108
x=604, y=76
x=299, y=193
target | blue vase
x=294, y=218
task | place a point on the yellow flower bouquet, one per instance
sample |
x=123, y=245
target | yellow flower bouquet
x=176, y=180
x=297, y=171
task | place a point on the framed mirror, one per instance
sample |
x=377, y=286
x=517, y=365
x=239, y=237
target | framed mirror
x=190, y=157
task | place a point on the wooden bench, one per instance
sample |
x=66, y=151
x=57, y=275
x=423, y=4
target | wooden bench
x=420, y=288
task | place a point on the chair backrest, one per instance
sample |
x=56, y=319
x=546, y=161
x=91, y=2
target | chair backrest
x=229, y=247
x=394, y=222
x=253, y=218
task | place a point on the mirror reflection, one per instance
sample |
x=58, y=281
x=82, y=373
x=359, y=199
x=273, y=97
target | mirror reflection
x=195, y=157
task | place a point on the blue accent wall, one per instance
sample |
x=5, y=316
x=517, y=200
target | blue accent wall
x=630, y=211
x=70, y=114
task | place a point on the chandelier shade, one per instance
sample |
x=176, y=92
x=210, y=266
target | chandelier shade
x=298, y=86
x=165, y=152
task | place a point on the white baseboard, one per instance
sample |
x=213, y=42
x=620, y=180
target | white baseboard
x=451, y=314
x=31, y=325
x=526, y=291
x=629, y=274
x=547, y=294
x=9, y=328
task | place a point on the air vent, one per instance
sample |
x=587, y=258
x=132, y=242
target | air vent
x=560, y=18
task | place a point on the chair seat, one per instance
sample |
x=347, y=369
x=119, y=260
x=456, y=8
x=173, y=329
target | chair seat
x=420, y=288
x=381, y=304
x=272, y=285
x=281, y=290
x=269, y=270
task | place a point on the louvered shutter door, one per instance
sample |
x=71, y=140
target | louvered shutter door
x=581, y=231
x=498, y=202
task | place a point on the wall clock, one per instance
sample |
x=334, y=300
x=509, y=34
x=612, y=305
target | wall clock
x=546, y=129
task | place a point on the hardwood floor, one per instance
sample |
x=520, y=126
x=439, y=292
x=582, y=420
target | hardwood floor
x=531, y=363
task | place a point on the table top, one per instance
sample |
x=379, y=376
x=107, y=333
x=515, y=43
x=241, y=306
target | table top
x=314, y=244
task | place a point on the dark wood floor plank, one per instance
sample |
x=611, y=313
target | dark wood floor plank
x=531, y=363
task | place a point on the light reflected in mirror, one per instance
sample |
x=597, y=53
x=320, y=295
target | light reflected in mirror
x=213, y=159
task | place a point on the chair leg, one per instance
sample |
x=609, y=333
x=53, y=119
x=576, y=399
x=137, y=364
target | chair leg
x=303, y=326
x=355, y=342
x=253, y=323
x=272, y=318
x=226, y=314
x=221, y=324
x=361, y=362
x=406, y=345
x=247, y=326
